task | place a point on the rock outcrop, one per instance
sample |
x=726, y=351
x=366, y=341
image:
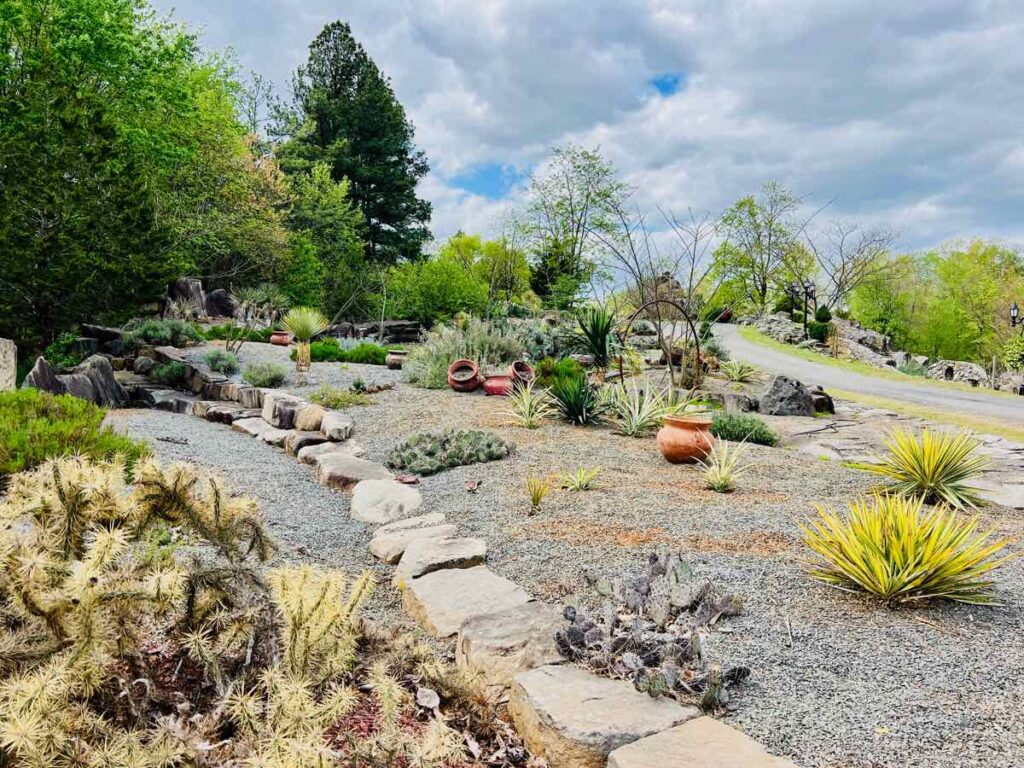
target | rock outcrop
x=92, y=380
x=786, y=397
x=959, y=371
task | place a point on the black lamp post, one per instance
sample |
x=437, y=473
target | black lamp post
x=808, y=295
x=1014, y=317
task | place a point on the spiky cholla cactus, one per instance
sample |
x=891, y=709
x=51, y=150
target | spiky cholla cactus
x=428, y=453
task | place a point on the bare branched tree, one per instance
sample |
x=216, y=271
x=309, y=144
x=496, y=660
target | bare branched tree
x=849, y=256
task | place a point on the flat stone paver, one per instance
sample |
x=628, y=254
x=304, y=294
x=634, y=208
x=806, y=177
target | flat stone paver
x=379, y=499
x=343, y=472
x=700, y=743
x=426, y=555
x=311, y=453
x=336, y=426
x=275, y=436
x=297, y=440
x=575, y=719
x=389, y=545
x=498, y=646
x=254, y=427
x=441, y=601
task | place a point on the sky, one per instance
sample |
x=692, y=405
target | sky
x=906, y=114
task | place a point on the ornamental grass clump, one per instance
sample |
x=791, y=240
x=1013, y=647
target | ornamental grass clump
x=889, y=546
x=722, y=466
x=739, y=371
x=428, y=453
x=537, y=489
x=264, y=374
x=638, y=411
x=934, y=466
x=529, y=405
x=222, y=361
x=580, y=479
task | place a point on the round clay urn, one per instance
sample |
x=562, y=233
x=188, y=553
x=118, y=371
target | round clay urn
x=685, y=438
x=463, y=376
x=499, y=384
x=281, y=338
x=521, y=372
x=395, y=359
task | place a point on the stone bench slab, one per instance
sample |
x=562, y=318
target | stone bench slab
x=443, y=600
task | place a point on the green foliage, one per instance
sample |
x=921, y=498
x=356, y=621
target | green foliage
x=740, y=371
x=823, y=314
x=819, y=331
x=722, y=466
x=304, y=323
x=36, y=426
x=581, y=479
x=222, y=362
x=330, y=350
x=742, y=427
x=913, y=368
x=171, y=373
x=64, y=351
x=487, y=343
x=264, y=374
x=595, y=336
x=348, y=118
x=428, y=453
x=537, y=489
x=529, y=405
x=549, y=371
x=338, y=399
x=890, y=547
x=228, y=331
x=302, y=273
x=577, y=400
x=432, y=291
x=933, y=465
x=1013, y=353
x=641, y=410
x=160, y=332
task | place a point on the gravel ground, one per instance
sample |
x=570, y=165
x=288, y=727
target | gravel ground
x=838, y=681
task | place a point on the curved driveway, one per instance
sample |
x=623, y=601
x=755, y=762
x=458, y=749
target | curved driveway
x=977, y=403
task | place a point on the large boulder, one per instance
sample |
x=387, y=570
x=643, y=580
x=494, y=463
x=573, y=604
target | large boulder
x=219, y=303
x=43, y=377
x=786, y=397
x=959, y=371
x=92, y=380
x=188, y=289
x=106, y=391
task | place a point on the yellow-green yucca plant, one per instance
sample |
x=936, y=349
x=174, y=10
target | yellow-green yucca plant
x=304, y=323
x=580, y=479
x=891, y=547
x=934, y=466
x=722, y=466
x=529, y=405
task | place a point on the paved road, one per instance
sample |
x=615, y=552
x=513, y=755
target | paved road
x=977, y=403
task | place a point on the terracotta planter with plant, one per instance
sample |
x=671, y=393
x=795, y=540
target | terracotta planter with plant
x=685, y=438
x=464, y=376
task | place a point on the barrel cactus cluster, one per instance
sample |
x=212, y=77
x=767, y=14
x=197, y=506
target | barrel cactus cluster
x=428, y=453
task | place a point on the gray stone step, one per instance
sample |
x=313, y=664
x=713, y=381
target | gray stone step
x=443, y=600
x=298, y=440
x=275, y=436
x=389, y=546
x=311, y=453
x=255, y=427
x=378, y=499
x=575, y=719
x=336, y=426
x=700, y=743
x=343, y=472
x=308, y=417
x=498, y=646
x=426, y=555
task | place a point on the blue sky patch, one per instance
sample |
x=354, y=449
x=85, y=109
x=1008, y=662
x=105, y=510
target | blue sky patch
x=490, y=180
x=668, y=83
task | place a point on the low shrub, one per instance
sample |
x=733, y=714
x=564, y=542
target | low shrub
x=229, y=331
x=171, y=373
x=819, y=331
x=823, y=314
x=222, y=362
x=577, y=400
x=366, y=354
x=64, y=351
x=160, y=332
x=740, y=427
x=428, y=453
x=264, y=374
x=932, y=465
x=36, y=426
x=332, y=350
x=488, y=344
x=913, y=368
x=549, y=370
x=338, y=399
x=889, y=547
x=1013, y=353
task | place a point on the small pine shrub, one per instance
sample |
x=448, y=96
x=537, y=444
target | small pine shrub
x=549, y=370
x=890, y=547
x=264, y=374
x=823, y=314
x=740, y=427
x=64, y=351
x=161, y=332
x=36, y=426
x=428, y=453
x=577, y=400
x=819, y=331
x=171, y=373
x=338, y=399
x=222, y=362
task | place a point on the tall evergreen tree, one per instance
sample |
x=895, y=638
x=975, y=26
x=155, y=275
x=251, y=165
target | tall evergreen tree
x=346, y=114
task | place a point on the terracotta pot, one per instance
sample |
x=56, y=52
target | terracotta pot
x=498, y=385
x=685, y=438
x=395, y=359
x=464, y=376
x=281, y=338
x=521, y=372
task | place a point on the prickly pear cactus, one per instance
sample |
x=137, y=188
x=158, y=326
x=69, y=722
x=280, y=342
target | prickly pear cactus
x=428, y=453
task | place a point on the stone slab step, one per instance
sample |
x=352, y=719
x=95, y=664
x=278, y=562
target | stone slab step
x=443, y=600
x=378, y=499
x=299, y=439
x=255, y=426
x=426, y=555
x=700, y=743
x=308, y=417
x=336, y=426
x=279, y=408
x=389, y=546
x=343, y=472
x=498, y=646
x=575, y=719
x=311, y=453
x=275, y=436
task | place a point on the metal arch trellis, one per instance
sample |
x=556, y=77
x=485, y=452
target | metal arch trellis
x=668, y=353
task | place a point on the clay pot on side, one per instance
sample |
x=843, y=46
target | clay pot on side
x=500, y=385
x=395, y=359
x=464, y=376
x=281, y=338
x=521, y=372
x=685, y=439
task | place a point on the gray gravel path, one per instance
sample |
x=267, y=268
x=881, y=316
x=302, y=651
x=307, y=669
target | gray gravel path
x=857, y=686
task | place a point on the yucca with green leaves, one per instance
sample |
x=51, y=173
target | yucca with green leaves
x=537, y=489
x=640, y=410
x=529, y=405
x=305, y=322
x=581, y=479
x=934, y=466
x=595, y=336
x=722, y=465
x=739, y=371
x=577, y=400
x=889, y=546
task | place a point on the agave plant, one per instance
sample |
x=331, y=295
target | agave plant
x=739, y=371
x=304, y=323
x=932, y=465
x=577, y=400
x=888, y=546
x=594, y=335
x=722, y=466
x=529, y=405
x=639, y=411
x=581, y=479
